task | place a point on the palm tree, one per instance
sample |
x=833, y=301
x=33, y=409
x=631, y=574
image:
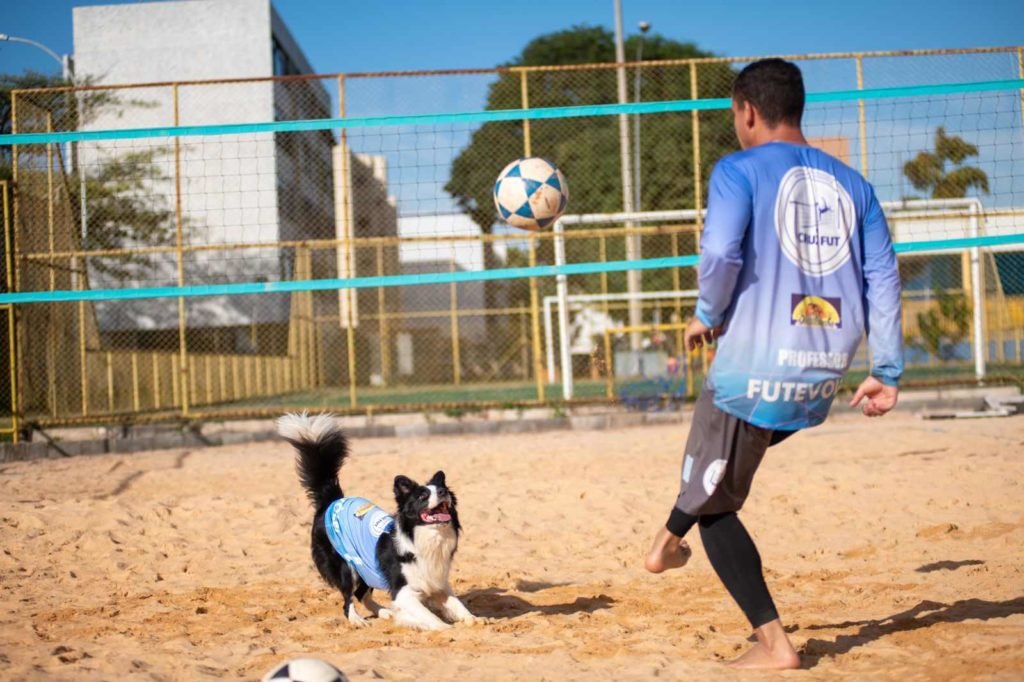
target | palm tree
x=927, y=171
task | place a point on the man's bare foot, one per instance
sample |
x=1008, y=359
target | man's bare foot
x=667, y=551
x=772, y=651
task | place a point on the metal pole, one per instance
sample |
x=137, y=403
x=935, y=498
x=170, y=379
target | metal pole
x=563, y=314
x=862, y=122
x=978, y=300
x=538, y=365
x=633, y=277
x=179, y=242
x=637, y=78
x=454, y=312
x=347, y=298
x=549, y=341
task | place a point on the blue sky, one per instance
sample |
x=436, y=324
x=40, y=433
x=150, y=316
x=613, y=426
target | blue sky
x=349, y=35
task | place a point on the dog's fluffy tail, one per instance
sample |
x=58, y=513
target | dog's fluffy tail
x=321, y=449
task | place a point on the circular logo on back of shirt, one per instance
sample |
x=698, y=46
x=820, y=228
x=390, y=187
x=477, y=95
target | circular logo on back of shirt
x=815, y=220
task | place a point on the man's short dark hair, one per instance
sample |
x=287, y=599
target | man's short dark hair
x=775, y=88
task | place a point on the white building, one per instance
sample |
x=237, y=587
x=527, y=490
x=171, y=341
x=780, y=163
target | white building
x=253, y=189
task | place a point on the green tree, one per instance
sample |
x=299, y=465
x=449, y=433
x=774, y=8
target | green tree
x=121, y=207
x=941, y=172
x=942, y=328
x=587, y=149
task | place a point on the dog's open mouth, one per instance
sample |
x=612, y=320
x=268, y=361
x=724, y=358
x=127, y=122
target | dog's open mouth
x=439, y=514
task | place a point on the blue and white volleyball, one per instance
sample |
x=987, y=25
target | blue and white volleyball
x=531, y=193
x=305, y=670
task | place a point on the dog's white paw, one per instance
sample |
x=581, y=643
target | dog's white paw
x=436, y=627
x=355, y=620
x=385, y=614
x=426, y=626
x=472, y=620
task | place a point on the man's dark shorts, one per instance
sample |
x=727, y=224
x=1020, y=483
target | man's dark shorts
x=721, y=457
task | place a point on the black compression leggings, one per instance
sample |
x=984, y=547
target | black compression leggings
x=734, y=557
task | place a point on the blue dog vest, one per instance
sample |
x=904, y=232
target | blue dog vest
x=354, y=525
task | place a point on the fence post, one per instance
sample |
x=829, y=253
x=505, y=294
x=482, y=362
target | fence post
x=538, y=365
x=382, y=321
x=347, y=247
x=157, y=389
x=135, y=381
x=456, y=351
x=862, y=119
x=11, y=332
x=51, y=326
x=698, y=191
x=1020, y=74
x=179, y=242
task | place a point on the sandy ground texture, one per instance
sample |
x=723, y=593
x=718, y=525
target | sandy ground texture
x=892, y=546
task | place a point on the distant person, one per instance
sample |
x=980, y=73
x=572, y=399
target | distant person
x=796, y=265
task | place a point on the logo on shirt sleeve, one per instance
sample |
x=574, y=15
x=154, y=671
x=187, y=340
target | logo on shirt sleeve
x=816, y=311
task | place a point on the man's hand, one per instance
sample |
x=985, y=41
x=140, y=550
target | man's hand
x=881, y=398
x=697, y=334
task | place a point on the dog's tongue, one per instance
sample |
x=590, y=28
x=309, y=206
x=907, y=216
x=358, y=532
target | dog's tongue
x=439, y=517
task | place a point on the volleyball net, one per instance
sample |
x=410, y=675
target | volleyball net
x=207, y=250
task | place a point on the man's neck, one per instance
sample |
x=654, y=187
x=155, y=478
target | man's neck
x=782, y=133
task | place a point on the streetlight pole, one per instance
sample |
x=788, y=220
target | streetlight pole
x=66, y=68
x=644, y=27
x=633, y=281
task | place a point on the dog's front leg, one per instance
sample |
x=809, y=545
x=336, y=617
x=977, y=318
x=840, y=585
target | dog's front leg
x=375, y=608
x=455, y=609
x=409, y=610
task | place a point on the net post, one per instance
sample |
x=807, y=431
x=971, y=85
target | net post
x=862, y=121
x=51, y=345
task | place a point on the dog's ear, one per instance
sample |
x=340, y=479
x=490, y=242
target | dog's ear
x=404, y=486
x=438, y=479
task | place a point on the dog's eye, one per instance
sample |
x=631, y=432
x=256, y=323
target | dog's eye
x=425, y=494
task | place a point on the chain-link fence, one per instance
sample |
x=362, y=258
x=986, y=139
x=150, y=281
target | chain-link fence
x=410, y=196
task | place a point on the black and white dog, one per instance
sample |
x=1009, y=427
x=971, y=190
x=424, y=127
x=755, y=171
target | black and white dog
x=358, y=547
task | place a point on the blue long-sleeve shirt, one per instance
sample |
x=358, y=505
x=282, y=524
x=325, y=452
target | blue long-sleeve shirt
x=796, y=264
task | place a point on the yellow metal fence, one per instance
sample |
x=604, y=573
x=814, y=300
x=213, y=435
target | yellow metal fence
x=311, y=205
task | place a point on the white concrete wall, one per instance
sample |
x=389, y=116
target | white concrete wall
x=230, y=184
x=468, y=254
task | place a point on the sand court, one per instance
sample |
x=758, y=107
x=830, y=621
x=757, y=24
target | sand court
x=892, y=548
